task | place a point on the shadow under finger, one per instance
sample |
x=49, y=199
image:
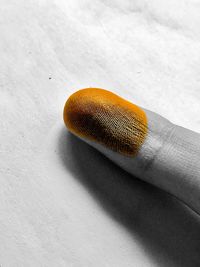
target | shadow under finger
x=168, y=230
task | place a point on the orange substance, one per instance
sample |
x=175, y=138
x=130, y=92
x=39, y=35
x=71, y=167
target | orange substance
x=103, y=117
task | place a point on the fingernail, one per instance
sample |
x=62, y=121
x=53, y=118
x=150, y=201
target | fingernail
x=101, y=116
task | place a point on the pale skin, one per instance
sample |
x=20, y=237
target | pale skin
x=169, y=158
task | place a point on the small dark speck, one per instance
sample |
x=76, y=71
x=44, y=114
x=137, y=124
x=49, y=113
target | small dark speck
x=49, y=78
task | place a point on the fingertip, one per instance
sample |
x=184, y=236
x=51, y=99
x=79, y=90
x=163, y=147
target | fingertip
x=101, y=116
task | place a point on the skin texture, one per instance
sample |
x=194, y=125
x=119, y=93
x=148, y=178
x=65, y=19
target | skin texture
x=101, y=116
x=162, y=153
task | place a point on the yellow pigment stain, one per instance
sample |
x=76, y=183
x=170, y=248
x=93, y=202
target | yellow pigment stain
x=102, y=116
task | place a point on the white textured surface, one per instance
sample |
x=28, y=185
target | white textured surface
x=61, y=203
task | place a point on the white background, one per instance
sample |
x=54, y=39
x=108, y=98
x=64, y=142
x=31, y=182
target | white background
x=61, y=202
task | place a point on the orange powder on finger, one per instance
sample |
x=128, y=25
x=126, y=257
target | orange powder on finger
x=103, y=117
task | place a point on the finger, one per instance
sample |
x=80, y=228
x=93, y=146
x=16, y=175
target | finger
x=140, y=141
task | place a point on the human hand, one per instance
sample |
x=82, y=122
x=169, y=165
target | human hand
x=140, y=141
